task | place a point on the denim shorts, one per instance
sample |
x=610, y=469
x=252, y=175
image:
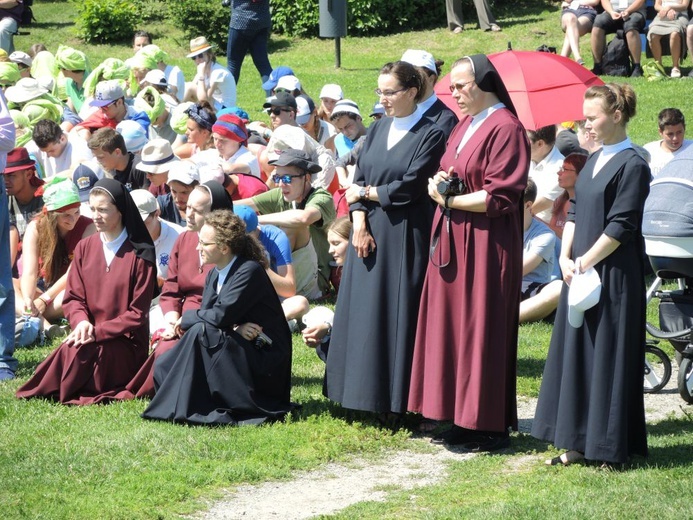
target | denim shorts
x=582, y=11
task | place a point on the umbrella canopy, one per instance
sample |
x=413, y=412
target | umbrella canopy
x=546, y=89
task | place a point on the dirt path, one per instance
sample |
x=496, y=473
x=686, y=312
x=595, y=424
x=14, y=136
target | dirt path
x=336, y=486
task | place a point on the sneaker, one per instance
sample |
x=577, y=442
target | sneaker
x=457, y=30
x=675, y=73
x=57, y=331
x=597, y=69
x=637, y=71
x=690, y=73
x=6, y=374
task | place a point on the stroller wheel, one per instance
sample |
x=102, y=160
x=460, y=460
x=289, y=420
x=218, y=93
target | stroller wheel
x=685, y=380
x=657, y=369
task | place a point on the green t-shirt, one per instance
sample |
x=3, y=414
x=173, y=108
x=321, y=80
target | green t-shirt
x=272, y=201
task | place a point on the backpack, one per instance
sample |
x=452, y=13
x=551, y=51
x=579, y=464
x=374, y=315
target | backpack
x=27, y=14
x=616, y=58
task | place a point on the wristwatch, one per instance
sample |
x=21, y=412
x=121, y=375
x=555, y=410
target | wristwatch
x=362, y=192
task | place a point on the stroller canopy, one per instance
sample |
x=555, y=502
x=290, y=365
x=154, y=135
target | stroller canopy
x=669, y=206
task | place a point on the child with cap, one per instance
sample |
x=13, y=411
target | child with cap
x=164, y=234
x=183, y=176
x=329, y=95
x=47, y=249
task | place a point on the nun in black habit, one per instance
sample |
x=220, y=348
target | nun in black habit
x=233, y=364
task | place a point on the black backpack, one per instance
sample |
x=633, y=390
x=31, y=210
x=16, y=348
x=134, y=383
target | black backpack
x=616, y=58
x=27, y=13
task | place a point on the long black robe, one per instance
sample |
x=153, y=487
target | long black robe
x=591, y=397
x=213, y=375
x=369, y=362
x=441, y=115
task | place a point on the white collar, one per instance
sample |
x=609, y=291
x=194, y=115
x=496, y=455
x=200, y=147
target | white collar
x=428, y=103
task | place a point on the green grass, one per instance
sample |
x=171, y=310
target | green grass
x=105, y=462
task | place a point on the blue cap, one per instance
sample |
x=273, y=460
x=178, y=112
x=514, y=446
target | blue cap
x=274, y=76
x=236, y=111
x=248, y=216
x=84, y=178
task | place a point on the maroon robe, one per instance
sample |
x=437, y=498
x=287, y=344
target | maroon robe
x=465, y=353
x=182, y=291
x=116, y=300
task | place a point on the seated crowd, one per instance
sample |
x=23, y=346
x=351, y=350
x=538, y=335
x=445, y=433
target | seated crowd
x=174, y=245
x=667, y=25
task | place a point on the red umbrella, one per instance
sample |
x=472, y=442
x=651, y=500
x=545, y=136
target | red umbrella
x=545, y=88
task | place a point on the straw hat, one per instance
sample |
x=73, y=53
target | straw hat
x=157, y=157
x=198, y=46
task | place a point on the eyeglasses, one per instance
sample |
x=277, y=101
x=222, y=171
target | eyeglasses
x=281, y=89
x=105, y=107
x=562, y=169
x=459, y=86
x=206, y=244
x=388, y=93
x=198, y=57
x=286, y=179
x=276, y=110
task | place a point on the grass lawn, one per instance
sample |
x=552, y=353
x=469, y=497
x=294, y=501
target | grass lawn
x=105, y=462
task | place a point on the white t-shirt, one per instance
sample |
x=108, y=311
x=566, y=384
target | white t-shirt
x=659, y=157
x=245, y=156
x=175, y=78
x=545, y=176
x=224, y=94
x=163, y=246
x=75, y=152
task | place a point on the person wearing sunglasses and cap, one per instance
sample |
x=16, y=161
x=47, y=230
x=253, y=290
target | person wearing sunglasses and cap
x=304, y=213
x=282, y=109
x=47, y=251
x=213, y=83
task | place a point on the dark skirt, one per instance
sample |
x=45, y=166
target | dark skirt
x=215, y=377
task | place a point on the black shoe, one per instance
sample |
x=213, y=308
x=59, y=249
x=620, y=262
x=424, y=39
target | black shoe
x=637, y=71
x=486, y=443
x=597, y=69
x=454, y=436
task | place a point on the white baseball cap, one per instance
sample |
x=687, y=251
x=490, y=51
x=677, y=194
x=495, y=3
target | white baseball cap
x=420, y=58
x=332, y=91
x=585, y=289
x=289, y=83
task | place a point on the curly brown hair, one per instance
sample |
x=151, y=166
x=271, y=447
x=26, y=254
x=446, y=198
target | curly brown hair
x=230, y=231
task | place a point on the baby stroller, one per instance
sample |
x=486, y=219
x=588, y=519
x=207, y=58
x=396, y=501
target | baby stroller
x=668, y=231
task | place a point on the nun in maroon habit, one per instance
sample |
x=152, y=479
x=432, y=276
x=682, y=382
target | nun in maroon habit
x=465, y=353
x=109, y=291
x=182, y=291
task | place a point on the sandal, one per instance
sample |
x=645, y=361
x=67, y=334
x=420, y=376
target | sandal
x=428, y=426
x=495, y=28
x=565, y=459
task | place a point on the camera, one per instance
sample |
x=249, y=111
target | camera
x=225, y=3
x=262, y=340
x=451, y=187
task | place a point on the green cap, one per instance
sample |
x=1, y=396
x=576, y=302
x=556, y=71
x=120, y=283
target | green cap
x=58, y=193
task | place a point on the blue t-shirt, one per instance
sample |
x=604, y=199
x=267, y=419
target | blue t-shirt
x=539, y=239
x=277, y=246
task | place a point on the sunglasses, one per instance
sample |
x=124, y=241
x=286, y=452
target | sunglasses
x=286, y=179
x=276, y=111
x=197, y=57
x=562, y=169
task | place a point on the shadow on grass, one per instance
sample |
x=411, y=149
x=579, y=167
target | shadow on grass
x=530, y=367
x=276, y=45
x=48, y=25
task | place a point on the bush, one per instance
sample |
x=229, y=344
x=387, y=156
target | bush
x=202, y=18
x=106, y=21
x=364, y=17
